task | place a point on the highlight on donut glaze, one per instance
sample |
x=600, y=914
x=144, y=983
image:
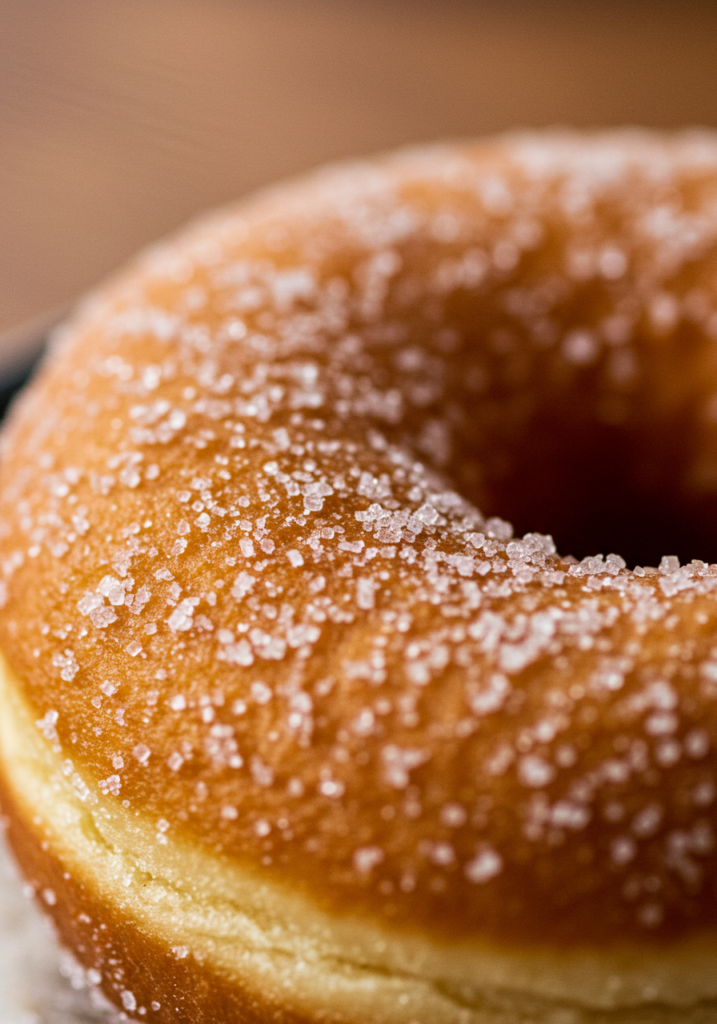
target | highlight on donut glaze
x=295, y=727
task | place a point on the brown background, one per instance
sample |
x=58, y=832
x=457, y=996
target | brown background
x=119, y=118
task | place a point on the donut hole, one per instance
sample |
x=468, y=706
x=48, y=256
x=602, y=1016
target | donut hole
x=603, y=461
x=598, y=487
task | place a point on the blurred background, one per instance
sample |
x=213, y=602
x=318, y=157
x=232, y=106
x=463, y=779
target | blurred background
x=120, y=118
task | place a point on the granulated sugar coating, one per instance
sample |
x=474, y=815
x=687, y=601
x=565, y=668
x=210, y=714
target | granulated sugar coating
x=256, y=587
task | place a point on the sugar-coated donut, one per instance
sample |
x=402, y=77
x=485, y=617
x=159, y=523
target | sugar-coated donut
x=289, y=730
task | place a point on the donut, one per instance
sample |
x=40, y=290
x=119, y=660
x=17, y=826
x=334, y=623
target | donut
x=296, y=726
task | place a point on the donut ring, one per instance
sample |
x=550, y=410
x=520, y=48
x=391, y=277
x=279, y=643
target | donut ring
x=290, y=730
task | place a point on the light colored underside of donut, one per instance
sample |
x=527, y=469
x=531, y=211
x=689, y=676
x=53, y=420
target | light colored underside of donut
x=277, y=947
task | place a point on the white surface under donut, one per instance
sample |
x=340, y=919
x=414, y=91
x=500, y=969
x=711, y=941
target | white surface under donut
x=38, y=984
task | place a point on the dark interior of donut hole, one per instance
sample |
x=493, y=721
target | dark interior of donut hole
x=601, y=487
x=636, y=478
x=595, y=490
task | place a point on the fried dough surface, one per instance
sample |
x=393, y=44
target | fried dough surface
x=255, y=587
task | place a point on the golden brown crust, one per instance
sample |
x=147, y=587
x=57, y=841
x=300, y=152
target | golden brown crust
x=243, y=595
x=274, y=949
